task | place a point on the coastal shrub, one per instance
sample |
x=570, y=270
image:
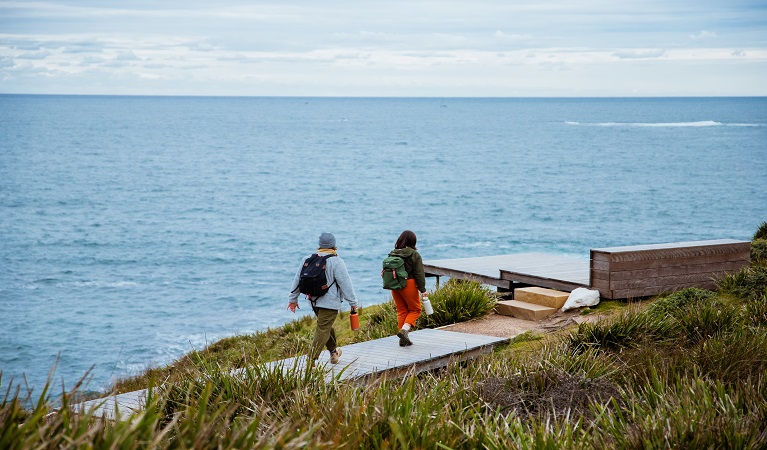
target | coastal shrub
x=756, y=311
x=686, y=412
x=671, y=303
x=627, y=331
x=759, y=252
x=761, y=232
x=696, y=323
x=748, y=283
x=458, y=301
x=734, y=357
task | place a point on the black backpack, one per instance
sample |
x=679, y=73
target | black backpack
x=313, y=282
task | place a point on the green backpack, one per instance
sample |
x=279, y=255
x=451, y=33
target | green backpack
x=394, y=274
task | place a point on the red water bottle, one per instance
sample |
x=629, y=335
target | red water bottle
x=354, y=319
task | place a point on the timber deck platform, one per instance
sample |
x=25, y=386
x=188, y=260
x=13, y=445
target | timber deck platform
x=617, y=272
x=431, y=349
x=506, y=271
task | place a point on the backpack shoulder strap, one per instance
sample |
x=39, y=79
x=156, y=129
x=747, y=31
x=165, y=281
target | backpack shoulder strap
x=325, y=258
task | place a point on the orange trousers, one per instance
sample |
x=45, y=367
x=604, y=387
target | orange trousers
x=408, y=303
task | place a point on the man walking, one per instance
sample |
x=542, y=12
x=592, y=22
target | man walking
x=324, y=293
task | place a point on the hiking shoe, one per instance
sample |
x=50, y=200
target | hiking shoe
x=404, y=340
x=335, y=355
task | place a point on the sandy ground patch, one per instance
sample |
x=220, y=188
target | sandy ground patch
x=508, y=327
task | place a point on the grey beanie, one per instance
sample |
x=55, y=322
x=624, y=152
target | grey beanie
x=327, y=240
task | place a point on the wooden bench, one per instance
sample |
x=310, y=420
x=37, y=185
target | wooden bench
x=645, y=270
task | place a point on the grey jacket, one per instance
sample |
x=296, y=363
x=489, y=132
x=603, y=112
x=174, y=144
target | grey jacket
x=335, y=271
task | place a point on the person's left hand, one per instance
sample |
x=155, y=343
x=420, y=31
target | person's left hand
x=292, y=307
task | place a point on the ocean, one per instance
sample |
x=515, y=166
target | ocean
x=136, y=229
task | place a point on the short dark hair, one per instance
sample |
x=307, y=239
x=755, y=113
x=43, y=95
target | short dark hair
x=406, y=239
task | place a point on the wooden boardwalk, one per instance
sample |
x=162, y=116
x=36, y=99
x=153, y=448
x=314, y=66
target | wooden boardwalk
x=431, y=349
x=506, y=271
x=617, y=272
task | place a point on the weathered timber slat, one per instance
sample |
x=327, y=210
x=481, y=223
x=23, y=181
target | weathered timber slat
x=693, y=279
x=667, y=262
x=599, y=275
x=464, y=275
x=603, y=286
x=670, y=246
x=534, y=280
x=726, y=266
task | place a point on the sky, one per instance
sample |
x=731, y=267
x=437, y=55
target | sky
x=413, y=48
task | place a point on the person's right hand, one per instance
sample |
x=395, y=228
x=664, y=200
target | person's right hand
x=292, y=307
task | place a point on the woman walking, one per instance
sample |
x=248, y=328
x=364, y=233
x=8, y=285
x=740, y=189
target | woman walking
x=408, y=299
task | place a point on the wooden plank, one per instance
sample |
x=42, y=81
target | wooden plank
x=727, y=266
x=431, y=349
x=600, y=275
x=600, y=265
x=465, y=275
x=669, y=245
x=600, y=285
x=672, y=252
x=690, y=261
x=690, y=280
x=561, y=285
x=715, y=253
x=115, y=407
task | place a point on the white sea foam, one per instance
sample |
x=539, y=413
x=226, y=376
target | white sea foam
x=700, y=123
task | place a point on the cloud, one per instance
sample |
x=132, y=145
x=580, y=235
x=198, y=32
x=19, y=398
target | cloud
x=304, y=47
x=640, y=54
x=702, y=35
x=35, y=55
x=126, y=55
x=504, y=37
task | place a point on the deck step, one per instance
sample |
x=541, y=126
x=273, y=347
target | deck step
x=541, y=296
x=523, y=310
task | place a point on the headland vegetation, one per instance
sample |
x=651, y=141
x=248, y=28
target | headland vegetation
x=680, y=370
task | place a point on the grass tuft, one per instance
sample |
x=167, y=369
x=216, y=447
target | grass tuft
x=761, y=232
x=759, y=252
x=458, y=301
x=748, y=283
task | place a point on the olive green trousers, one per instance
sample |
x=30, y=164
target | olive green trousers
x=324, y=334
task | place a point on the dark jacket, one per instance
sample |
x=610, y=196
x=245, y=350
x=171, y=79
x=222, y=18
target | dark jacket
x=413, y=265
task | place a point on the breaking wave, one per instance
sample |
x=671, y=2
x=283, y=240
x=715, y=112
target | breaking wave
x=701, y=123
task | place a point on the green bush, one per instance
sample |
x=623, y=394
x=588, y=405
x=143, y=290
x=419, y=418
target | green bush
x=761, y=232
x=458, y=301
x=759, y=252
x=705, y=320
x=673, y=302
x=756, y=311
x=748, y=284
x=626, y=331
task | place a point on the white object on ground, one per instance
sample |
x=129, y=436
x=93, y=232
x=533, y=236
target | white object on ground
x=581, y=297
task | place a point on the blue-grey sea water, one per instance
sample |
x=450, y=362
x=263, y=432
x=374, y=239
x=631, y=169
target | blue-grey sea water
x=135, y=229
